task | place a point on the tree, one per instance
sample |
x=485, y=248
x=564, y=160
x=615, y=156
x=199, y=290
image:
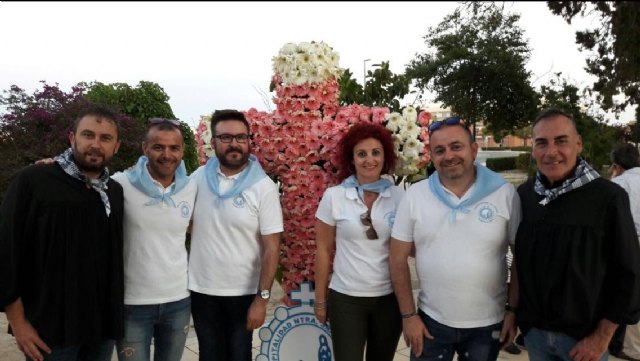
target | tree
x=475, y=65
x=146, y=100
x=614, y=46
x=382, y=89
x=598, y=138
x=37, y=126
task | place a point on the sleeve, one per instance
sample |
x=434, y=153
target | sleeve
x=13, y=214
x=270, y=213
x=622, y=279
x=404, y=221
x=324, y=212
x=515, y=216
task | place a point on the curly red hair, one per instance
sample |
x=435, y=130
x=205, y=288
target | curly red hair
x=357, y=133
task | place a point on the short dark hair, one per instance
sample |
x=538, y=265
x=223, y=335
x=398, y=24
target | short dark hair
x=358, y=132
x=554, y=112
x=100, y=112
x=626, y=156
x=166, y=125
x=227, y=114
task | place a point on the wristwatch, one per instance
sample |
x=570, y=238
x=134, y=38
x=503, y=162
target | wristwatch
x=264, y=294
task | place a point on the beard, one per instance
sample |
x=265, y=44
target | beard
x=85, y=161
x=229, y=161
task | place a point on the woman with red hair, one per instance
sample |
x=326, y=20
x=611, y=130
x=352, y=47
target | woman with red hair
x=357, y=216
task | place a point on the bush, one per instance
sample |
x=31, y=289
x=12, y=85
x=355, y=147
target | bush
x=522, y=149
x=525, y=163
x=500, y=164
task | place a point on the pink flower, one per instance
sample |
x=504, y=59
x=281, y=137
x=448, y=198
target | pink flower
x=424, y=118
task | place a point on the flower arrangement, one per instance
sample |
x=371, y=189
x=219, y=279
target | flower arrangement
x=296, y=144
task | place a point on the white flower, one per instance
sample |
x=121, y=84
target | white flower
x=409, y=113
x=306, y=63
x=393, y=121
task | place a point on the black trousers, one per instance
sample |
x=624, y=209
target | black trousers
x=357, y=322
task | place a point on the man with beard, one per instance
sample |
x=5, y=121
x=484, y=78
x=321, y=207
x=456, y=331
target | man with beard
x=235, y=243
x=460, y=221
x=158, y=203
x=61, y=282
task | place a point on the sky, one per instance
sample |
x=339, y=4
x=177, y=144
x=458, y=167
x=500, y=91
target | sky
x=217, y=55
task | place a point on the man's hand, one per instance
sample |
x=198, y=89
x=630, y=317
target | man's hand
x=509, y=329
x=257, y=313
x=28, y=340
x=590, y=348
x=414, y=332
x=45, y=161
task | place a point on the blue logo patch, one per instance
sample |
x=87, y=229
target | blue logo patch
x=185, y=209
x=486, y=212
x=239, y=201
x=391, y=218
x=295, y=333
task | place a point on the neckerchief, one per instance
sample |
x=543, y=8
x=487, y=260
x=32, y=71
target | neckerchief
x=248, y=177
x=583, y=174
x=66, y=162
x=378, y=186
x=141, y=179
x=487, y=182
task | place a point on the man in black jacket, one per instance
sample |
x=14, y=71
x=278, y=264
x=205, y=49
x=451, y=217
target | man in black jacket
x=577, y=253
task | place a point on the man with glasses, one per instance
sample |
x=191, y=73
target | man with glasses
x=158, y=203
x=235, y=243
x=577, y=252
x=460, y=221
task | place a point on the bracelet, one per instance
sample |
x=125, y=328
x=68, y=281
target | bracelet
x=510, y=308
x=319, y=307
x=409, y=315
x=320, y=302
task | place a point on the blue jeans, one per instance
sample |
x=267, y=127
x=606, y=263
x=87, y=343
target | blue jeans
x=90, y=351
x=167, y=323
x=221, y=326
x=471, y=344
x=550, y=346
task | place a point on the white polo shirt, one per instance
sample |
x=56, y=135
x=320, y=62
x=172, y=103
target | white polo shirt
x=155, y=256
x=461, y=265
x=226, y=243
x=630, y=181
x=361, y=265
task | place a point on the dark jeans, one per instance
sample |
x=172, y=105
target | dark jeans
x=221, y=326
x=356, y=321
x=90, y=351
x=471, y=344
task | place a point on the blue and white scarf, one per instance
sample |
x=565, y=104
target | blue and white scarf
x=487, y=182
x=378, y=186
x=141, y=179
x=583, y=174
x=66, y=162
x=248, y=177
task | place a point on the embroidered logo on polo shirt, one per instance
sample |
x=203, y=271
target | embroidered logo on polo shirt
x=391, y=218
x=239, y=201
x=486, y=212
x=185, y=209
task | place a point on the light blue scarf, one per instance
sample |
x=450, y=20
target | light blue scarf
x=141, y=179
x=248, y=177
x=487, y=181
x=378, y=186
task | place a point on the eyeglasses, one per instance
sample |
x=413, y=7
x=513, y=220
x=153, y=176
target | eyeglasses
x=365, y=218
x=174, y=122
x=228, y=138
x=449, y=121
